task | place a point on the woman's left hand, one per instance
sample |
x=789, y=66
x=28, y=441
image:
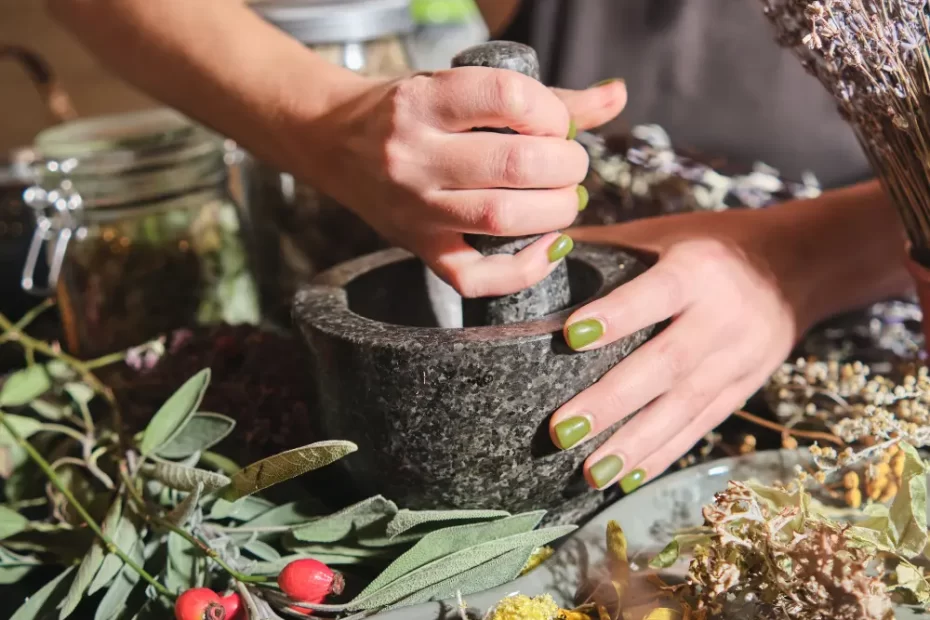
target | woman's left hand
x=730, y=283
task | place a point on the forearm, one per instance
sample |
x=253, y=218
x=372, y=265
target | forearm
x=843, y=253
x=498, y=13
x=214, y=60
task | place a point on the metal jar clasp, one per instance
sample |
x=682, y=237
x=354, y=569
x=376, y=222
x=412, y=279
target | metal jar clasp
x=54, y=220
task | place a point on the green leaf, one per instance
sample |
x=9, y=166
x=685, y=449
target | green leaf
x=48, y=410
x=183, y=511
x=876, y=530
x=668, y=556
x=14, y=567
x=185, y=478
x=114, y=600
x=179, y=568
x=11, y=522
x=26, y=427
x=445, y=542
x=126, y=539
x=42, y=602
x=342, y=551
x=170, y=419
x=502, y=569
x=81, y=393
x=338, y=526
x=244, y=509
x=203, y=431
x=912, y=580
x=91, y=563
x=59, y=370
x=449, y=566
x=909, y=508
x=219, y=462
x=406, y=520
x=276, y=469
x=24, y=386
x=262, y=550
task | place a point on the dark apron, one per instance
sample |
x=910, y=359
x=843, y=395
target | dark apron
x=708, y=71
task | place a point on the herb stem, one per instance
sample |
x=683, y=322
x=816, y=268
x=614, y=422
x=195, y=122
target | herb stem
x=89, y=520
x=815, y=435
x=28, y=318
x=106, y=360
x=64, y=430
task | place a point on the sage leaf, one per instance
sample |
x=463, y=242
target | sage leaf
x=338, y=526
x=180, y=515
x=12, y=574
x=179, y=567
x=285, y=516
x=502, y=569
x=262, y=550
x=48, y=410
x=406, y=520
x=24, y=386
x=911, y=579
x=91, y=563
x=184, y=478
x=668, y=556
x=114, y=600
x=281, y=467
x=81, y=393
x=203, y=431
x=11, y=522
x=42, y=602
x=341, y=550
x=449, y=566
x=24, y=426
x=219, y=463
x=244, y=509
x=445, y=542
x=909, y=508
x=170, y=419
x=126, y=539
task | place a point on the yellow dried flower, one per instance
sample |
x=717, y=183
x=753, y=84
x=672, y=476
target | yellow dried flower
x=522, y=607
x=890, y=491
x=540, y=555
x=851, y=480
x=820, y=477
x=853, y=498
x=789, y=443
x=897, y=465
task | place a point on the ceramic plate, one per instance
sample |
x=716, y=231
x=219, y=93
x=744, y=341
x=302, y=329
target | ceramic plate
x=649, y=517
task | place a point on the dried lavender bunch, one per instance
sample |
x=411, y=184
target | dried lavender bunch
x=872, y=56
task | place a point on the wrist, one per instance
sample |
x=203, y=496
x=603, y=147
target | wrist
x=837, y=253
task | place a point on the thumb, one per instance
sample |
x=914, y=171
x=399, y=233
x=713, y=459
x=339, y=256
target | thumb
x=594, y=106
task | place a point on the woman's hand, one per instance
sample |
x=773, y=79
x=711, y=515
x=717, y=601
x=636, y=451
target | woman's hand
x=740, y=288
x=402, y=155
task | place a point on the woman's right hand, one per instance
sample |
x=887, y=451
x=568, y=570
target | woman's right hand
x=401, y=154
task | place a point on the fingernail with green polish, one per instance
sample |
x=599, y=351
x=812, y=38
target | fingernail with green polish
x=606, y=82
x=572, y=130
x=583, y=333
x=560, y=249
x=583, y=197
x=605, y=470
x=569, y=432
x=632, y=480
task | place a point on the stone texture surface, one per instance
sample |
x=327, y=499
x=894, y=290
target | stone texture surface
x=500, y=55
x=452, y=418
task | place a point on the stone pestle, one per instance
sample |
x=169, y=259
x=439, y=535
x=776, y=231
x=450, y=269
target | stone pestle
x=550, y=295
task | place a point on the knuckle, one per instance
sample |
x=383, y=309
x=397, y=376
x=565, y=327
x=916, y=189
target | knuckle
x=671, y=282
x=461, y=281
x=674, y=358
x=492, y=216
x=507, y=94
x=515, y=165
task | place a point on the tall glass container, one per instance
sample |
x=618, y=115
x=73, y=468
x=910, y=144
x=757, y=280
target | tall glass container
x=139, y=229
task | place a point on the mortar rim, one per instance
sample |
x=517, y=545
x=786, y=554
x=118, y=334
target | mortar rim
x=323, y=304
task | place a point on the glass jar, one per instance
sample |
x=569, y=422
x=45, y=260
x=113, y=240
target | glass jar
x=141, y=234
x=296, y=230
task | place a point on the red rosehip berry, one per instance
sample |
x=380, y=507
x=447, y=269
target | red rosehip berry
x=310, y=581
x=232, y=604
x=199, y=604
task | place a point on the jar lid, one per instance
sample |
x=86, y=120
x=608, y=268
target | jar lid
x=121, y=158
x=320, y=22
